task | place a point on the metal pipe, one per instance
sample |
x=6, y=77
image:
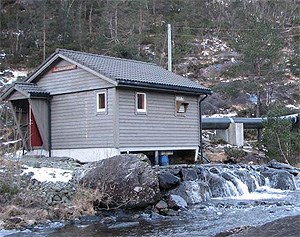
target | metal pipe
x=249, y=123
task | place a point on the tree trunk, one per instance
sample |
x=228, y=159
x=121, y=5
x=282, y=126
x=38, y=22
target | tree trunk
x=258, y=104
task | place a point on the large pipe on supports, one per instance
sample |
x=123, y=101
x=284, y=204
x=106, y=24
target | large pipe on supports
x=249, y=123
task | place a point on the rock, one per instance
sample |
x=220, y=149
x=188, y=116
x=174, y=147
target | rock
x=171, y=212
x=189, y=174
x=161, y=205
x=281, y=166
x=124, y=225
x=123, y=180
x=218, y=186
x=246, y=178
x=214, y=170
x=56, y=198
x=232, y=231
x=287, y=226
x=15, y=219
x=156, y=217
x=202, y=174
x=176, y=202
x=193, y=192
x=168, y=181
x=280, y=179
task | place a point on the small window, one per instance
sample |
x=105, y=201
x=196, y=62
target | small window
x=181, y=105
x=101, y=101
x=140, y=99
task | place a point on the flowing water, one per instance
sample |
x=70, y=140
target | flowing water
x=236, y=207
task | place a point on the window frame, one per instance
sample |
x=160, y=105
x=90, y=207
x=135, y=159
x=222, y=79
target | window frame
x=101, y=110
x=137, y=109
x=179, y=102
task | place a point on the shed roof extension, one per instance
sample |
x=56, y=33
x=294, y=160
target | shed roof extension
x=133, y=73
x=30, y=90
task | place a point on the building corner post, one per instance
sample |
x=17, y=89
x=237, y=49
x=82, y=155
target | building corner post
x=200, y=126
x=49, y=125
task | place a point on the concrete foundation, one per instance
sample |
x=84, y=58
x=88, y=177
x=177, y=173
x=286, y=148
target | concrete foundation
x=234, y=135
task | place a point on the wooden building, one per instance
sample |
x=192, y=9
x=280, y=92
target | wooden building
x=90, y=107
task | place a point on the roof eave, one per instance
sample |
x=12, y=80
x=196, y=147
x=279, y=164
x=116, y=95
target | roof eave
x=126, y=83
x=42, y=67
x=6, y=93
x=34, y=95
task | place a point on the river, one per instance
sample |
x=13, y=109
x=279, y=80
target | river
x=205, y=219
x=239, y=196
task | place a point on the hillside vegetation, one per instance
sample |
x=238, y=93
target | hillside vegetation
x=248, y=52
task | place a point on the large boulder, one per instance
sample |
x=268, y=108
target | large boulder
x=219, y=187
x=168, y=181
x=122, y=181
x=282, y=166
x=193, y=192
x=280, y=179
x=176, y=202
x=189, y=174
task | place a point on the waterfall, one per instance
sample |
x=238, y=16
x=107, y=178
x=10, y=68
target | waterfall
x=234, y=181
x=200, y=183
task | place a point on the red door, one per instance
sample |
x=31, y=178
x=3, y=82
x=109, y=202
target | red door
x=35, y=137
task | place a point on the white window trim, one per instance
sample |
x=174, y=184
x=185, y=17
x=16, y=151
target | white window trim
x=102, y=110
x=136, y=102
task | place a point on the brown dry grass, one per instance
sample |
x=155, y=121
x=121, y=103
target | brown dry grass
x=84, y=199
x=20, y=206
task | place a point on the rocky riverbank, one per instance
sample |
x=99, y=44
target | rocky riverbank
x=37, y=191
x=287, y=226
x=67, y=189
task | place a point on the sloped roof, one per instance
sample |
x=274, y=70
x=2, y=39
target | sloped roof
x=27, y=89
x=31, y=89
x=133, y=73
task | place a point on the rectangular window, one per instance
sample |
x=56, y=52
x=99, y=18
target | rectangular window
x=101, y=101
x=181, y=105
x=140, y=99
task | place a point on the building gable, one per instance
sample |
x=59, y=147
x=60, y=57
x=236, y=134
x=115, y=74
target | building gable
x=65, y=77
x=16, y=95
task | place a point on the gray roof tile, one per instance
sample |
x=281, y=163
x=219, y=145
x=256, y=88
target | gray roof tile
x=133, y=72
x=31, y=89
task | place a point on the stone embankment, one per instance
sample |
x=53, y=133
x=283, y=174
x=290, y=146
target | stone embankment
x=130, y=182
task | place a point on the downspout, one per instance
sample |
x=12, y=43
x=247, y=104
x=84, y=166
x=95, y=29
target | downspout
x=200, y=125
x=49, y=125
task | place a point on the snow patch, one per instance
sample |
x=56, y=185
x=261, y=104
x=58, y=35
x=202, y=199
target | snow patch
x=229, y=114
x=7, y=77
x=45, y=174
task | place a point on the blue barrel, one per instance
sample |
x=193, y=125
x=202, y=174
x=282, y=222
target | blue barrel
x=163, y=160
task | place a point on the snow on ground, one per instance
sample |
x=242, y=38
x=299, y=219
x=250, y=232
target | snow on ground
x=45, y=174
x=293, y=106
x=229, y=114
x=10, y=142
x=9, y=76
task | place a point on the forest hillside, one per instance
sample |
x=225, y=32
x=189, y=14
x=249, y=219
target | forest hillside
x=247, y=52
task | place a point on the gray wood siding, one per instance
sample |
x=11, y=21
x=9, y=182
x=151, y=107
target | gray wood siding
x=16, y=95
x=160, y=126
x=76, y=124
x=70, y=81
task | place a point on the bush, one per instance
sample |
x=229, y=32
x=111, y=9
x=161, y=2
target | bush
x=280, y=139
x=8, y=188
x=234, y=152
